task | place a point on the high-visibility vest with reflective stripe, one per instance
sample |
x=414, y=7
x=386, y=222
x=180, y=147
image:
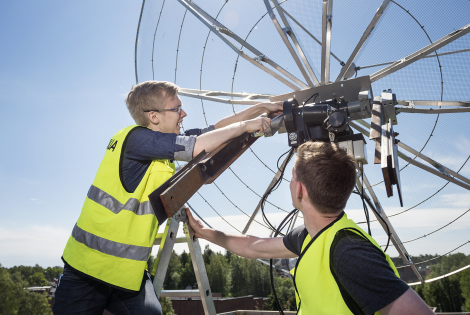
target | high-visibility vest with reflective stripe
x=318, y=290
x=113, y=237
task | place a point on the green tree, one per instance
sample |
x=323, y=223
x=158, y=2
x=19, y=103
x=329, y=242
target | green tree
x=238, y=276
x=465, y=288
x=35, y=304
x=53, y=272
x=444, y=293
x=218, y=272
x=188, y=278
x=167, y=307
x=15, y=300
x=37, y=279
x=11, y=291
x=228, y=255
x=207, y=254
x=286, y=294
x=173, y=274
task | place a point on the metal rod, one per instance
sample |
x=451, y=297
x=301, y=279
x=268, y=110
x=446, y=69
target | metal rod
x=247, y=98
x=432, y=111
x=271, y=185
x=363, y=39
x=221, y=31
x=282, y=32
x=290, y=31
x=310, y=34
x=440, y=171
x=384, y=222
x=433, y=171
x=441, y=168
x=399, y=64
x=326, y=41
x=413, y=103
x=429, y=56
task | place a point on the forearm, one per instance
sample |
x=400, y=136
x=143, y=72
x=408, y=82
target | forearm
x=246, y=114
x=210, y=141
x=241, y=245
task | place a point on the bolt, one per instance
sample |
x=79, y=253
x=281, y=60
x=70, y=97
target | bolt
x=395, y=134
x=211, y=162
x=204, y=168
x=396, y=141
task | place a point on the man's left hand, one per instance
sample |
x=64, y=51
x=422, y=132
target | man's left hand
x=274, y=107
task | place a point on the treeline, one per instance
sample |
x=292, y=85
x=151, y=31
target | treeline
x=230, y=275
x=14, y=299
x=450, y=294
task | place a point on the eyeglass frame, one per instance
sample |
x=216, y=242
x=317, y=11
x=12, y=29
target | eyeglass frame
x=175, y=109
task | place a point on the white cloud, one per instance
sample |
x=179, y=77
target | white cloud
x=32, y=244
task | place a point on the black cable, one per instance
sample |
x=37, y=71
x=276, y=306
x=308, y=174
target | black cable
x=366, y=211
x=281, y=226
x=273, y=188
x=316, y=94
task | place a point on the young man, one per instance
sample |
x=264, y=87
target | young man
x=106, y=256
x=341, y=269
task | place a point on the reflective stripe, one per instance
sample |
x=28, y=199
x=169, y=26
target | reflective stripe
x=105, y=246
x=109, y=202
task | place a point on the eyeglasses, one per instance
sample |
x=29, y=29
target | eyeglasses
x=176, y=109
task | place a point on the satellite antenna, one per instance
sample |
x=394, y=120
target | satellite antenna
x=395, y=72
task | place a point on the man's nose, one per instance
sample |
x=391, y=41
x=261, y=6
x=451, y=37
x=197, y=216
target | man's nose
x=183, y=113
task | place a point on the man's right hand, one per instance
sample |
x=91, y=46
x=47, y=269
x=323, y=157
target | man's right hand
x=257, y=125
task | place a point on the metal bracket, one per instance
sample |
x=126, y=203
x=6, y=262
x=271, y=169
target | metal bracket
x=389, y=100
x=260, y=58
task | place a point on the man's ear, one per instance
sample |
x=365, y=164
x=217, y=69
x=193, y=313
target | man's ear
x=299, y=190
x=153, y=117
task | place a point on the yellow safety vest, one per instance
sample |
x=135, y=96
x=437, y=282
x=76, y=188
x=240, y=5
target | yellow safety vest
x=113, y=237
x=318, y=290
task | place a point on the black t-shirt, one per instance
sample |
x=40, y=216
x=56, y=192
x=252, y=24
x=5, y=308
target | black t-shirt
x=366, y=281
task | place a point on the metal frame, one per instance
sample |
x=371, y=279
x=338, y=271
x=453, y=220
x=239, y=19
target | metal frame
x=433, y=56
x=310, y=34
x=399, y=64
x=287, y=30
x=412, y=103
x=363, y=39
x=247, y=98
x=432, y=110
x=326, y=41
x=382, y=217
x=441, y=170
x=221, y=31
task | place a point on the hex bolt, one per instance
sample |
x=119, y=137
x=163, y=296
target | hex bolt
x=395, y=134
x=204, y=168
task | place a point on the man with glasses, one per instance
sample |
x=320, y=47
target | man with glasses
x=105, y=258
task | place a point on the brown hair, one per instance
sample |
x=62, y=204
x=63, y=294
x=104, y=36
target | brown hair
x=148, y=95
x=328, y=173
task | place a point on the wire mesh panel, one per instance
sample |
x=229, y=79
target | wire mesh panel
x=174, y=44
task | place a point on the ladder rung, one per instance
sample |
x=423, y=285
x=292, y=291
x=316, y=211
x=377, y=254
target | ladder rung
x=178, y=240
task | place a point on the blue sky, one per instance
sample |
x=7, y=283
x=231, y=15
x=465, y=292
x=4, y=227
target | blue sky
x=66, y=65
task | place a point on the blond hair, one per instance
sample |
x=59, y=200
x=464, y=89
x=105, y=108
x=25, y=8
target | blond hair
x=148, y=95
x=328, y=173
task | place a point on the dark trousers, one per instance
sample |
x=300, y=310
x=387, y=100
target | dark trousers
x=79, y=294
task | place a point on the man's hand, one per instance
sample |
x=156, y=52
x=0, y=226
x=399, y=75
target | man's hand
x=257, y=125
x=197, y=225
x=275, y=107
